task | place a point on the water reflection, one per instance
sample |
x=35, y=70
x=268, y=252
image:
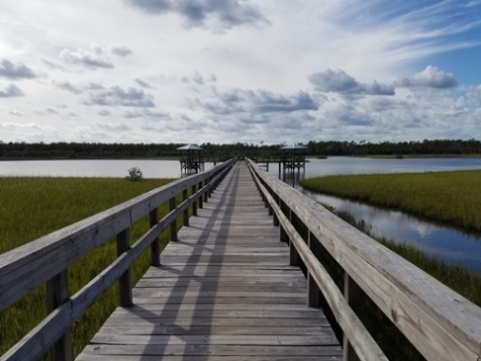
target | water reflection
x=355, y=165
x=452, y=246
x=92, y=168
x=292, y=177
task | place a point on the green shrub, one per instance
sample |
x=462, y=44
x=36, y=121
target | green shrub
x=135, y=175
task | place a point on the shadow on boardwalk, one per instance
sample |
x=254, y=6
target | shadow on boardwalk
x=223, y=292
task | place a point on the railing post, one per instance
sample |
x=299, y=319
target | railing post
x=293, y=255
x=186, y=212
x=201, y=198
x=214, y=185
x=282, y=232
x=353, y=296
x=194, y=204
x=283, y=237
x=206, y=194
x=313, y=292
x=57, y=294
x=275, y=219
x=125, y=282
x=155, y=246
x=173, y=225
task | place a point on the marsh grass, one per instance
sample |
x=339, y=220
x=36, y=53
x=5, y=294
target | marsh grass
x=33, y=207
x=465, y=282
x=390, y=339
x=450, y=197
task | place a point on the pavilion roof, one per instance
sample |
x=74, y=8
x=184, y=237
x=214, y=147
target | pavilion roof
x=294, y=146
x=190, y=147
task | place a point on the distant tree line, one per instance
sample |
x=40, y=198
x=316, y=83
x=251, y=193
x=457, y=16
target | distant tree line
x=212, y=151
x=428, y=147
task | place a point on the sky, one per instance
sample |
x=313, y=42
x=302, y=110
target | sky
x=229, y=71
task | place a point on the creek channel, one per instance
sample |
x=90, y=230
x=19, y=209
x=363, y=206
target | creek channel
x=452, y=246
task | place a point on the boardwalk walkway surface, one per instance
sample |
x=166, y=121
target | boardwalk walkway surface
x=223, y=292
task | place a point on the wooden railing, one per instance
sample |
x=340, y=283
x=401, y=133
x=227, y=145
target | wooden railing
x=438, y=322
x=47, y=259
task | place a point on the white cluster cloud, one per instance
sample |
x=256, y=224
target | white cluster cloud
x=227, y=14
x=339, y=81
x=239, y=70
x=96, y=57
x=431, y=77
x=117, y=96
x=239, y=101
x=11, y=91
x=13, y=71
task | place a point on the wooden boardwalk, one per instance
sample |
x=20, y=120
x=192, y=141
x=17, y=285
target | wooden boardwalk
x=223, y=292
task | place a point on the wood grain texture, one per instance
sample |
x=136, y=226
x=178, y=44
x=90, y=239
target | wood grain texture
x=27, y=267
x=224, y=291
x=440, y=323
x=360, y=345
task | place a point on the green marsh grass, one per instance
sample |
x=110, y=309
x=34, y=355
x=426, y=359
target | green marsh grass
x=391, y=340
x=33, y=207
x=459, y=279
x=450, y=197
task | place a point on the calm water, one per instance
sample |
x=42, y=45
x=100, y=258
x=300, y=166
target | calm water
x=353, y=165
x=92, y=168
x=453, y=246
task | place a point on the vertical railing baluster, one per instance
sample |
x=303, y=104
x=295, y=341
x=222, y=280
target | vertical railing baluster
x=194, y=203
x=275, y=219
x=173, y=225
x=57, y=294
x=213, y=185
x=353, y=296
x=125, y=281
x=283, y=237
x=293, y=255
x=206, y=193
x=313, y=291
x=155, y=246
x=201, y=198
x=186, y=212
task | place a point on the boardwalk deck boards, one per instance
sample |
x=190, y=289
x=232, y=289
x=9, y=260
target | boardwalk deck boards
x=224, y=291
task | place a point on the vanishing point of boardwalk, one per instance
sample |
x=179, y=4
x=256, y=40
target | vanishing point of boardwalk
x=224, y=291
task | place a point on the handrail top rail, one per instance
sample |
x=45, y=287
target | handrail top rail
x=28, y=266
x=68, y=232
x=23, y=270
x=455, y=313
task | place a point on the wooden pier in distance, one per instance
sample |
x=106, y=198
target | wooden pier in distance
x=191, y=159
x=223, y=291
x=229, y=286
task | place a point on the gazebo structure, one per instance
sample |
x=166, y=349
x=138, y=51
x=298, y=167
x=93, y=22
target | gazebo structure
x=293, y=158
x=191, y=160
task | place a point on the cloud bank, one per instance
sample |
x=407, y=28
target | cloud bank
x=201, y=13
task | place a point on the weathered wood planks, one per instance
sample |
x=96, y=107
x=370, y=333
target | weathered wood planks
x=440, y=323
x=224, y=291
x=46, y=260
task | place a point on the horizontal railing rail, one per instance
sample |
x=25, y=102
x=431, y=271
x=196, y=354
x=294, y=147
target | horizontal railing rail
x=47, y=259
x=438, y=322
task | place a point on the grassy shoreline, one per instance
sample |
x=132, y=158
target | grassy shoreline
x=389, y=338
x=422, y=156
x=453, y=197
x=34, y=206
x=450, y=197
x=458, y=278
